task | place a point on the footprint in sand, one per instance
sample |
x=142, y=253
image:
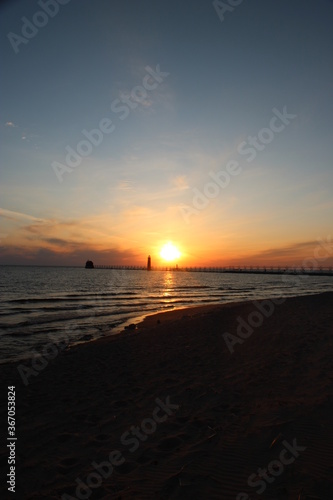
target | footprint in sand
x=169, y=444
x=69, y=462
x=64, y=438
x=81, y=417
x=102, y=437
x=126, y=467
x=66, y=464
x=120, y=404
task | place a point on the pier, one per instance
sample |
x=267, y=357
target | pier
x=321, y=271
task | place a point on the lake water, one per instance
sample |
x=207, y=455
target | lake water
x=48, y=304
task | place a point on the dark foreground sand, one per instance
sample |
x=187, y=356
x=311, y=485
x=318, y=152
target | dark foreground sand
x=206, y=419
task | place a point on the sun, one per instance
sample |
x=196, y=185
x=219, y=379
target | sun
x=169, y=252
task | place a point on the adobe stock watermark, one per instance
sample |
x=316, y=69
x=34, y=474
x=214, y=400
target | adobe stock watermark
x=275, y=468
x=40, y=19
x=123, y=107
x=130, y=438
x=222, y=8
x=265, y=308
x=249, y=148
x=40, y=359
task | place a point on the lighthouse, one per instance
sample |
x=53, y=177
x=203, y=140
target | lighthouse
x=149, y=263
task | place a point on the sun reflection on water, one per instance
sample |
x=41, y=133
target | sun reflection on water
x=168, y=284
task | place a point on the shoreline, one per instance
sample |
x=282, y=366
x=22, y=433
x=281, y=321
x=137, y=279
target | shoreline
x=144, y=321
x=226, y=414
x=147, y=321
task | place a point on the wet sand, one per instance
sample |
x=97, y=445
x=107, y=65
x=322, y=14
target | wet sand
x=177, y=409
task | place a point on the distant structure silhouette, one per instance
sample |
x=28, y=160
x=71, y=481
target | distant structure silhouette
x=89, y=264
x=149, y=263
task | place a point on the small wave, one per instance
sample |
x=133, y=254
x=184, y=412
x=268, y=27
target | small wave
x=191, y=287
x=72, y=298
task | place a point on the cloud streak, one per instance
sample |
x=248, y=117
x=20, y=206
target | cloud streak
x=297, y=254
x=24, y=255
x=16, y=216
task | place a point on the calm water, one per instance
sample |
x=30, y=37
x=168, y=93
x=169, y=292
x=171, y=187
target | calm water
x=45, y=304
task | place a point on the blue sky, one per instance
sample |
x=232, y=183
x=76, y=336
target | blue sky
x=124, y=199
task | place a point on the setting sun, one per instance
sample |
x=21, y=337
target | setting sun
x=169, y=252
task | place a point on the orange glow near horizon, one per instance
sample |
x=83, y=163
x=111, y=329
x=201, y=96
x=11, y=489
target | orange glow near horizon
x=35, y=240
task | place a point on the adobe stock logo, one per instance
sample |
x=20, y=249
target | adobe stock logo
x=275, y=468
x=121, y=107
x=222, y=8
x=103, y=470
x=40, y=19
x=249, y=148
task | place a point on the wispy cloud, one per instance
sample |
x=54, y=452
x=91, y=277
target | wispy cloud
x=60, y=242
x=11, y=215
x=181, y=183
x=139, y=211
x=125, y=185
x=301, y=253
x=76, y=257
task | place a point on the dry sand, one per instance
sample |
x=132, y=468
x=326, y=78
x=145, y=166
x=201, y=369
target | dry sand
x=229, y=415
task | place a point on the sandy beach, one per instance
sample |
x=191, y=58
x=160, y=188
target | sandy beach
x=218, y=402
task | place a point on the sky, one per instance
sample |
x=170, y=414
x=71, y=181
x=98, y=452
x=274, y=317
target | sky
x=126, y=125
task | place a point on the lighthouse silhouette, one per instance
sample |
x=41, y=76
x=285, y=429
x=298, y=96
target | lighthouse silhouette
x=149, y=263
